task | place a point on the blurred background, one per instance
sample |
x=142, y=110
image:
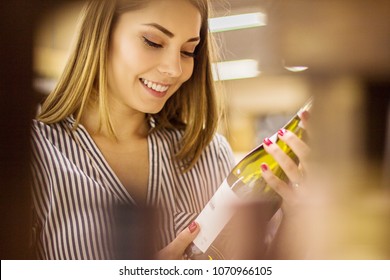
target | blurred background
x=274, y=55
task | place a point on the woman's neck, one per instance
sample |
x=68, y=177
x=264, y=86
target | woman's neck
x=127, y=124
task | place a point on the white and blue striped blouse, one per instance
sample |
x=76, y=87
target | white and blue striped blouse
x=75, y=191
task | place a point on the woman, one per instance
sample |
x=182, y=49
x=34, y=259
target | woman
x=132, y=121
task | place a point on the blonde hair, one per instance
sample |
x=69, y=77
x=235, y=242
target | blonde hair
x=194, y=108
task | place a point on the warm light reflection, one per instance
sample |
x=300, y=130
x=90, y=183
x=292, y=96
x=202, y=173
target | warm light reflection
x=235, y=22
x=237, y=69
x=296, y=68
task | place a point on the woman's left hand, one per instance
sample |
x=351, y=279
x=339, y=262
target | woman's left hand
x=286, y=243
x=292, y=192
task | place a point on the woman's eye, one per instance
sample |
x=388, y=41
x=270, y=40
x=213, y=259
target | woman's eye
x=188, y=54
x=152, y=44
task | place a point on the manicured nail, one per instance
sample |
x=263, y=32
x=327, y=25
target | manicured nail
x=267, y=141
x=264, y=167
x=306, y=115
x=192, y=227
x=281, y=132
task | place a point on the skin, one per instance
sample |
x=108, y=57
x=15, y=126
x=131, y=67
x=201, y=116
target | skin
x=155, y=46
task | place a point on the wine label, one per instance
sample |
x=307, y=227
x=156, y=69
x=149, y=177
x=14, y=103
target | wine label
x=216, y=214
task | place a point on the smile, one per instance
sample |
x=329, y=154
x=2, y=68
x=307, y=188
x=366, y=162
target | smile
x=154, y=86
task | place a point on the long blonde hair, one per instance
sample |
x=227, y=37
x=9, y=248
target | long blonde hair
x=194, y=108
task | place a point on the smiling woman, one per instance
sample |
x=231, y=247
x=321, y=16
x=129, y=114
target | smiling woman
x=131, y=123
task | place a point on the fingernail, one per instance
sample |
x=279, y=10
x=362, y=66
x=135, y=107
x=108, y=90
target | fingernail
x=192, y=227
x=264, y=167
x=267, y=141
x=306, y=115
x=281, y=132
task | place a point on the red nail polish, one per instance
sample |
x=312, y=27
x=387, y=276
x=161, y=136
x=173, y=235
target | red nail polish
x=192, y=227
x=267, y=141
x=281, y=132
x=264, y=167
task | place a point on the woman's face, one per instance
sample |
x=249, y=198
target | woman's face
x=151, y=54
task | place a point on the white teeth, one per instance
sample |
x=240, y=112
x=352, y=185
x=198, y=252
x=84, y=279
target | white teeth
x=154, y=86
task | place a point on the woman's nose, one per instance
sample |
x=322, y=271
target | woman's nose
x=171, y=65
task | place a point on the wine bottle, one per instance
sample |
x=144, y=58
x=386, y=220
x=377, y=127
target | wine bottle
x=244, y=182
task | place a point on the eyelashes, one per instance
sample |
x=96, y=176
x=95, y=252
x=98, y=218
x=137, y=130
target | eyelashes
x=189, y=54
x=152, y=44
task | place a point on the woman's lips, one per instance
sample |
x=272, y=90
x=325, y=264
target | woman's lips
x=156, y=89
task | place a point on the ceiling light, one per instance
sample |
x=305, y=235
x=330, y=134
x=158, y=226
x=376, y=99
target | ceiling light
x=235, y=22
x=237, y=69
x=296, y=68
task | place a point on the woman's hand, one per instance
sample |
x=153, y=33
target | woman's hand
x=291, y=192
x=287, y=242
x=175, y=249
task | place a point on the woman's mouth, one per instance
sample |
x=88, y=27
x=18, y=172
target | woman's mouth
x=156, y=89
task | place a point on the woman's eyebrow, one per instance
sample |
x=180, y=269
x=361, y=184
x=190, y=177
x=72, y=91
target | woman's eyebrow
x=169, y=33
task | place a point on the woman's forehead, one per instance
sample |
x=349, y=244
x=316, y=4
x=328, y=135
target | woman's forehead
x=177, y=18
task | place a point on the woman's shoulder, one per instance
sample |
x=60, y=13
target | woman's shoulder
x=220, y=140
x=222, y=146
x=218, y=147
x=41, y=129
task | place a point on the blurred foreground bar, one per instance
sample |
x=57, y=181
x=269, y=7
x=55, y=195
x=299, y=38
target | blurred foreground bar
x=135, y=234
x=16, y=113
x=346, y=46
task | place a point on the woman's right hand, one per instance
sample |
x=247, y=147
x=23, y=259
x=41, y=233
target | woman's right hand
x=175, y=250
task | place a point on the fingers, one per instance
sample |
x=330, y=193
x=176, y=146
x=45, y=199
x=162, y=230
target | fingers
x=186, y=237
x=305, y=115
x=290, y=195
x=175, y=249
x=300, y=148
x=275, y=183
x=285, y=162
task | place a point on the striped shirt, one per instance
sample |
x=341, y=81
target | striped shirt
x=75, y=192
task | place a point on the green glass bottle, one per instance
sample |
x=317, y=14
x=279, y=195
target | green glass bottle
x=245, y=182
